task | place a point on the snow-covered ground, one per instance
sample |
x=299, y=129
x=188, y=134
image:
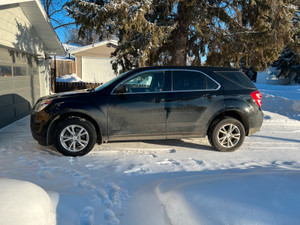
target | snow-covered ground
x=170, y=182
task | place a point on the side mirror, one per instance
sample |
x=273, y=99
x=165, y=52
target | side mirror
x=121, y=89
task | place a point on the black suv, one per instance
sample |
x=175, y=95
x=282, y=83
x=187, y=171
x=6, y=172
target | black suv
x=152, y=103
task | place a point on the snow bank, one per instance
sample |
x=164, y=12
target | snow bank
x=69, y=78
x=284, y=100
x=291, y=92
x=281, y=105
x=251, y=198
x=24, y=203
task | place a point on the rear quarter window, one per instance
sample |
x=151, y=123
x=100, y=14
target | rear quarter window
x=237, y=77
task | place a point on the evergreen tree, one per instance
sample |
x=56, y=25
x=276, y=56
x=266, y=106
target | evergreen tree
x=172, y=32
x=90, y=37
x=288, y=65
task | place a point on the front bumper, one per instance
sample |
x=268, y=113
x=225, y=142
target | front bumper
x=39, y=123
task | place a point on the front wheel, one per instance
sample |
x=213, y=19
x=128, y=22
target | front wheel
x=227, y=135
x=75, y=137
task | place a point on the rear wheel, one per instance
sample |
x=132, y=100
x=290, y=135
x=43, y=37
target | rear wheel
x=75, y=137
x=227, y=135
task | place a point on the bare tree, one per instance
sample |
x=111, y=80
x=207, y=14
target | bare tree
x=56, y=12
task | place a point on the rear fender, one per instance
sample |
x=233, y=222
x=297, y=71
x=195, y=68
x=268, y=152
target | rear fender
x=235, y=108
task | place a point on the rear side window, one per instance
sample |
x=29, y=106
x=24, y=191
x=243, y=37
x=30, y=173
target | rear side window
x=237, y=77
x=190, y=80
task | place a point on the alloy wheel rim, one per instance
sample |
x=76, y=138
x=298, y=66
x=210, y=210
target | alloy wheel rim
x=229, y=135
x=74, y=138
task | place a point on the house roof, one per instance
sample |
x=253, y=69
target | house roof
x=38, y=18
x=95, y=45
x=70, y=47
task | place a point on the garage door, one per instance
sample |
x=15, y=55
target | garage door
x=97, y=70
x=19, y=85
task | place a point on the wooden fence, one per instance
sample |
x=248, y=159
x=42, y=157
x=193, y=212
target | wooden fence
x=73, y=86
x=63, y=67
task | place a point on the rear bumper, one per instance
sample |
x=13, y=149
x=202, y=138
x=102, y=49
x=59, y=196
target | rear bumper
x=255, y=122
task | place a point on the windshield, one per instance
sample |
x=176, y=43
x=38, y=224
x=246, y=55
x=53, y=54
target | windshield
x=110, y=82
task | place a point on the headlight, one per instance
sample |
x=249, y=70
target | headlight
x=41, y=105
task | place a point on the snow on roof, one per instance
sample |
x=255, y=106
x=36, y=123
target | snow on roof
x=63, y=58
x=70, y=47
x=98, y=44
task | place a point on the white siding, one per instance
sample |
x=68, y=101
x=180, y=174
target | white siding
x=20, y=47
x=17, y=32
x=96, y=69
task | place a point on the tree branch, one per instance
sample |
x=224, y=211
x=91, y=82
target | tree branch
x=56, y=11
x=64, y=25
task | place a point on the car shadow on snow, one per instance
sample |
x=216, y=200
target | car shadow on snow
x=48, y=150
x=276, y=138
x=186, y=143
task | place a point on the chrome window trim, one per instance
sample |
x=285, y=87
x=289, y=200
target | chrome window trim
x=171, y=91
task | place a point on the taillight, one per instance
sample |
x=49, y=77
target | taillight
x=256, y=95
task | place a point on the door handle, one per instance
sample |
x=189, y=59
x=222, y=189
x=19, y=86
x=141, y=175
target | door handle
x=209, y=96
x=158, y=100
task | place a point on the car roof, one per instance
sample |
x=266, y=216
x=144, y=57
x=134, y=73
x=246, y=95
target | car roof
x=200, y=68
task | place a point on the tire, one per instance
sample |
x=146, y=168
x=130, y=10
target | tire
x=227, y=135
x=75, y=137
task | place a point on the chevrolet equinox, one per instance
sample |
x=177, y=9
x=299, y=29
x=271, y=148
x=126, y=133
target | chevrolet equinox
x=152, y=103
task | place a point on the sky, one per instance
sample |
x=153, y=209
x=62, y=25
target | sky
x=60, y=17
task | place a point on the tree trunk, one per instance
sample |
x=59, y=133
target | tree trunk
x=180, y=38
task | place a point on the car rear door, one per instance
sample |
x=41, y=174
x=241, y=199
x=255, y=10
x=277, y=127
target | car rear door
x=139, y=113
x=190, y=103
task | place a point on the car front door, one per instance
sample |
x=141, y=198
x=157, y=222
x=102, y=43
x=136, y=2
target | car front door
x=139, y=111
x=188, y=103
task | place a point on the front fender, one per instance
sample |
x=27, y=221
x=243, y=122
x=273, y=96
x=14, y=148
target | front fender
x=96, y=115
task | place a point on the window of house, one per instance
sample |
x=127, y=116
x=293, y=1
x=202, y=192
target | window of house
x=5, y=71
x=20, y=71
x=35, y=71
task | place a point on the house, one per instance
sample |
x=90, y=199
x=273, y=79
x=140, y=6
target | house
x=270, y=76
x=93, y=61
x=26, y=41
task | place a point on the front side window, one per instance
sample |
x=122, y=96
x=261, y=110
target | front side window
x=146, y=82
